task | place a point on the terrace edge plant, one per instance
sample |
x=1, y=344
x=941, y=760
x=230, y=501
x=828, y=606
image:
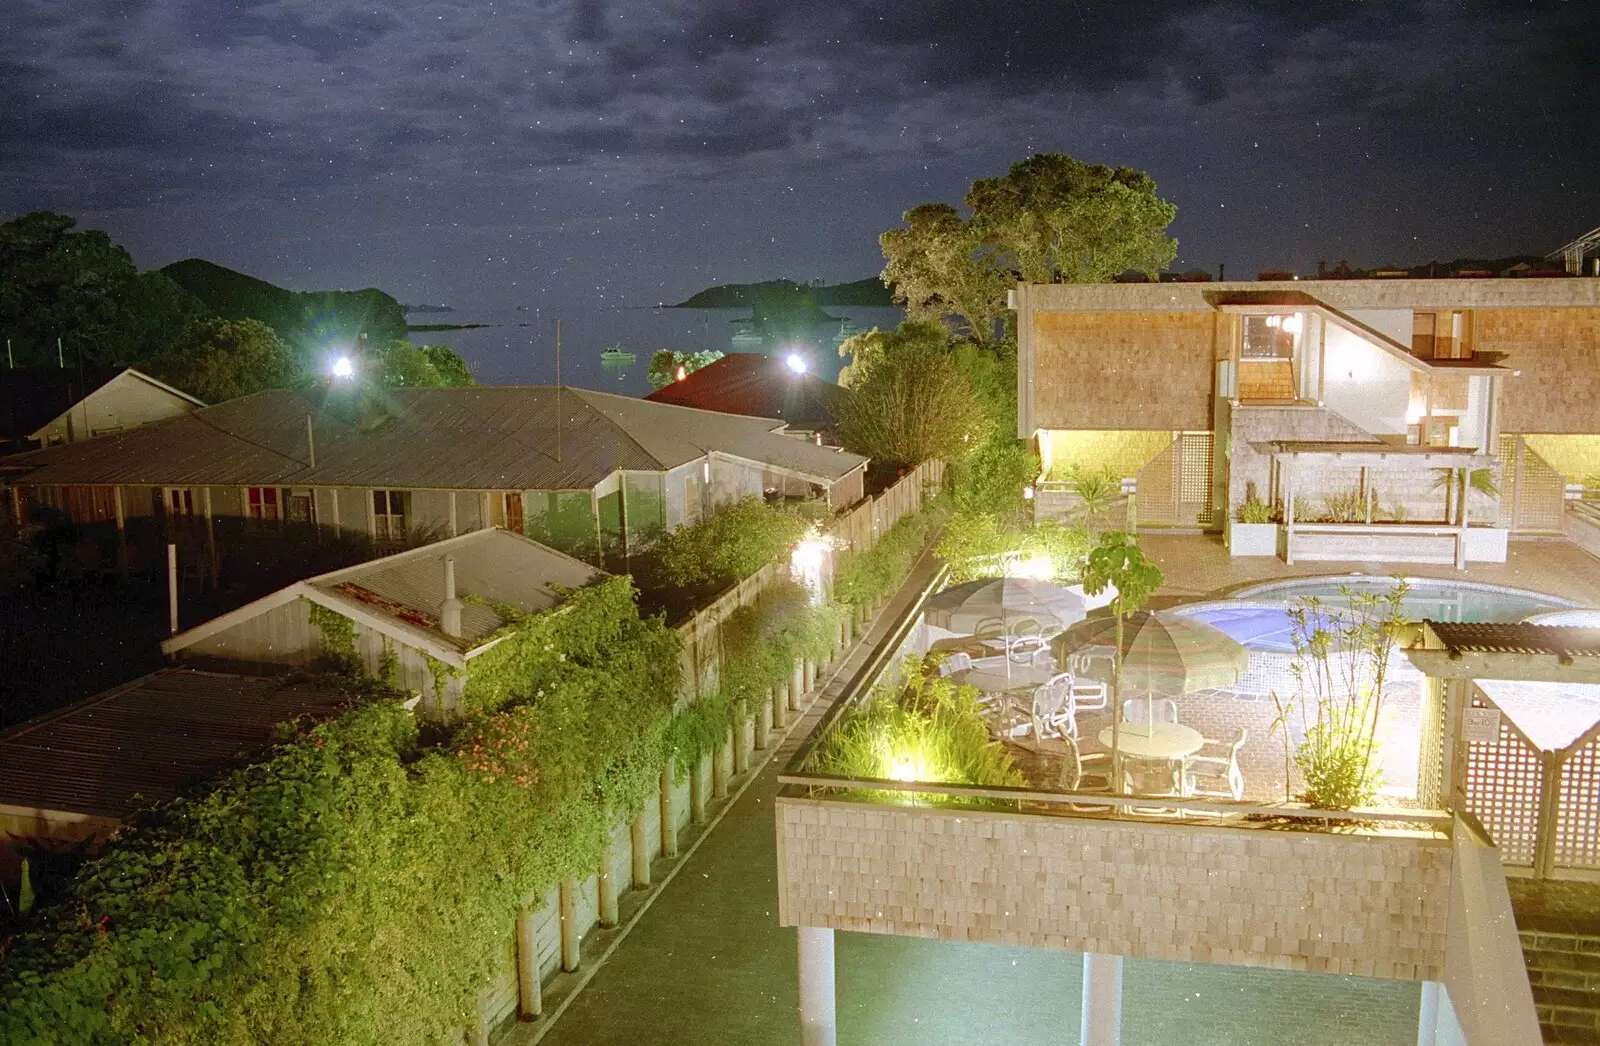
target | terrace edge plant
x=1253, y=509
x=1120, y=563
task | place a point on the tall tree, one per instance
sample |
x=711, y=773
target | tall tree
x=1061, y=220
x=940, y=264
x=218, y=360
x=1049, y=219
x=1120, y=564
x=78, y=286
x=909, y=398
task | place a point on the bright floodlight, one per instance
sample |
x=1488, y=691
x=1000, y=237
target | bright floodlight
x=797, y=363
x=343, y=368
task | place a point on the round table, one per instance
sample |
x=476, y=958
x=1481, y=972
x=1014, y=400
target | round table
x=993, y=679
x=1159, y=742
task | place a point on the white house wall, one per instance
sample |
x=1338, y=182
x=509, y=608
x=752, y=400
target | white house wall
x=283, y=635
x=124, y=402
x=1396, y=323
x=1365, y=384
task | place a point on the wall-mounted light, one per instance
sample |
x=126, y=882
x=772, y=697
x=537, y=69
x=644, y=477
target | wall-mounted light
x=343, y=368
x=1027, y=493
x=796, y=363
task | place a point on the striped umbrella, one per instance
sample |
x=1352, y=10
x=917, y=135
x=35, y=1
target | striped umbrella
x=1162, y=653
x=998, y=606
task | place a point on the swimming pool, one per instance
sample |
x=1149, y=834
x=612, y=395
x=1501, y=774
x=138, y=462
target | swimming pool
x=1432, y=598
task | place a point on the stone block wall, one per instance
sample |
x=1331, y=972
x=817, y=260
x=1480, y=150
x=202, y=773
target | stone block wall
x=1366, y=905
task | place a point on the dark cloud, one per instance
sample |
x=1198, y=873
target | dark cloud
x=1284, y=131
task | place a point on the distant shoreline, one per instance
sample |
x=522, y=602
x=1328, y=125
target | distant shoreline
x=445, y=326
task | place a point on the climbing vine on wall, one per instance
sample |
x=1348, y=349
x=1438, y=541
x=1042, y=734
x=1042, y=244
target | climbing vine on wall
x=338, y=639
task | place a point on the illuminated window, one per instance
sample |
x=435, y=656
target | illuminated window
x=263, y=503
x=389, y=514
x=1270, y=337
x=178, y=503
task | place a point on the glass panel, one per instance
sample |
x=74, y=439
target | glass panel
x=563, y=520
x=646, y=508
x=611, y=523
x=1271, y=337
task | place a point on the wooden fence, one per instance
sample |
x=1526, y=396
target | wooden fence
x=546, y=936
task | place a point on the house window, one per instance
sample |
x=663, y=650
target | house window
x=389, y=514
x=263, y=503
x=513, y=516
x=178, y=502
x=300, y=506
x=1271, y=337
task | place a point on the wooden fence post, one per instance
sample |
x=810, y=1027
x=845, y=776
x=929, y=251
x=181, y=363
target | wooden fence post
x=641, y=852
x=669, y=831
x=606, y=880
x=697, y=791
x=741, y=760
x=764, y=722
x=1544, y=835
x=569, y=924
x=530, y=996
x=719, y=769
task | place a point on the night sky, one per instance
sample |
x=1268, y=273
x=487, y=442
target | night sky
x=486, y=154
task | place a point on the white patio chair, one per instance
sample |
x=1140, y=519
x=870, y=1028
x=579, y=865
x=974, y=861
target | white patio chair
x=1053, y=714
x=957, y=662
x=1214, y=775
x=1143, y=709
x=1089, y=695
x=1077, y=772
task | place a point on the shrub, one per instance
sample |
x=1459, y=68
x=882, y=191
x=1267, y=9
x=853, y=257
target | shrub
x=926, y=729
x=733, y=542
x=1254, y=510
x=1348, y=506
x=863, y=577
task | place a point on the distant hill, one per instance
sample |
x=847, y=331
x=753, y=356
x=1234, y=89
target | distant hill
x=867, y=293
x=304, y=319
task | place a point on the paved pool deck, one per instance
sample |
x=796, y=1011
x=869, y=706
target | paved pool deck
x=708, y=963
x=1198, y=565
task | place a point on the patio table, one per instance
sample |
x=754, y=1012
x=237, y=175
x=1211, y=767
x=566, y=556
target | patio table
x=993, y=678
x=1167, y=743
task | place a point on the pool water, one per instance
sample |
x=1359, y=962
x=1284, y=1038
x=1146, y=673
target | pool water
x=1430, y=598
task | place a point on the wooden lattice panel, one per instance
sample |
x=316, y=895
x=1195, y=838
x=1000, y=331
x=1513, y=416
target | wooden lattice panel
x=1578, y=809
x=1535, y=494
x=1194, y=476
x=1156, y=489
x=1503, y=781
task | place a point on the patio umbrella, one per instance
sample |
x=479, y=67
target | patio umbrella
x=993, y=606
x=1162, y=652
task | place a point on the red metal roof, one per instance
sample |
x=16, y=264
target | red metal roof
x=756, y=386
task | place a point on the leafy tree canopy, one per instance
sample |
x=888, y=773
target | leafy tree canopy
x=404, y=365
x=1061, y=220
x=910, y=399
x=218, y=359
x=664, y=364
x=56, y=282
x=1049, y=219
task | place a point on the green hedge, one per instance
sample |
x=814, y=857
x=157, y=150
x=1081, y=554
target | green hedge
x=357, y=885
x=864, y=577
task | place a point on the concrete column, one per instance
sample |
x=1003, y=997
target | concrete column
x=607, y=882
x=1102, y=1000
x=1428, y=1016
x=780, y=707
x=669, y=830
x=530, y=997
x=811, y=675
x=764, y=722
x=818, y=1024
x=797, y=685
x=741, y=752
x=569, y=924
x=719, y=770
x=847, y=627
x=697, y=792
x=641, y=852
x=478, y=1032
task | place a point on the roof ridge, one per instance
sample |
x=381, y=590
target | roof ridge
x=617, y=425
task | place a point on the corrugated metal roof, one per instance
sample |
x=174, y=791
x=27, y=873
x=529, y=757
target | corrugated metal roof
x=401, y=594
x=493, y=565
x=1563, y=641
x=151, y=738
x=475, y=438
x=757, y=386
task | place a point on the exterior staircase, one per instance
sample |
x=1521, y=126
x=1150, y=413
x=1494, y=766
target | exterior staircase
x=1564, y=971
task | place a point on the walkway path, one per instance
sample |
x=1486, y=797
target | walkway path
x=708, y=964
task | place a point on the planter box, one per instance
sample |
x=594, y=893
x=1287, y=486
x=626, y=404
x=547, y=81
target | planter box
x=1486, y=544
x=1252, y=539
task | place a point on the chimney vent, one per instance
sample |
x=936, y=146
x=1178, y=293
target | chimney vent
x=450, y=609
